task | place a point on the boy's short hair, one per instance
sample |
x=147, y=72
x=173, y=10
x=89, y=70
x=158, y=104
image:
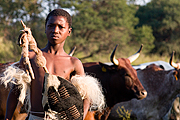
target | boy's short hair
x=60, y=12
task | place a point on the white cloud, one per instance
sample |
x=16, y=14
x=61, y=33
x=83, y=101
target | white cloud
x=142, y=2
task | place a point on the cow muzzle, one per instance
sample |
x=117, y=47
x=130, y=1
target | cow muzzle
x=141, y=95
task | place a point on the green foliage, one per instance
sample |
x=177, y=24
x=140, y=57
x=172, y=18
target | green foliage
x=6, y=51
x=11, y=14
x=99, y=25
x=164, y=18
x=143, y=35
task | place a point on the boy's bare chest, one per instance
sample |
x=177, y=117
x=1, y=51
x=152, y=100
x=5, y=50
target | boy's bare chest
x=60, y=66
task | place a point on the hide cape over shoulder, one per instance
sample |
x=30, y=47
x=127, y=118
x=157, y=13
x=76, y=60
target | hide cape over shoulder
x=58, y=93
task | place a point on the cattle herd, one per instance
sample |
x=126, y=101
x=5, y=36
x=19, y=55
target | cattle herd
x=150, y=92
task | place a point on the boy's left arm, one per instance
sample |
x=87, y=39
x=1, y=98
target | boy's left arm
x=80, y=71
x=86, y=105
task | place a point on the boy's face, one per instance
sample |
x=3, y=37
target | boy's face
x=57, y=29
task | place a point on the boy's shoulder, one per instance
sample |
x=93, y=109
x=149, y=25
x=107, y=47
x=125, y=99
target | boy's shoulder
x=75, y=60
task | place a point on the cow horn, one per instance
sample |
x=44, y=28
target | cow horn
x=136, y=55
x=24, y=26
x=172, y=63
x=112, y=57
x=72, y=51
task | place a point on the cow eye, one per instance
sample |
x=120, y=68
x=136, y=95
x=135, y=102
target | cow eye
x=128, y=81
x=126, y=75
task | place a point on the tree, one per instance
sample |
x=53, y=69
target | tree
x=12, y=11
x=164, y=18
x=99, y=25
x=143, y=35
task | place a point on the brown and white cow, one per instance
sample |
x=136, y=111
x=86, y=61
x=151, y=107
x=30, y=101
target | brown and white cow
x=119, y=81
x=162, y=86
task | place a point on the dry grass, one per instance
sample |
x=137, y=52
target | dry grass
x=123, y=113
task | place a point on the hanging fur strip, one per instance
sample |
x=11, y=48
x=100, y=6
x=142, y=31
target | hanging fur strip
x=50, y=80
x=89, y=87
x=14, y=75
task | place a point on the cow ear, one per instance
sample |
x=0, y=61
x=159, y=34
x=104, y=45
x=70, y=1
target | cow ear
x=176, y=74
x=105, y=67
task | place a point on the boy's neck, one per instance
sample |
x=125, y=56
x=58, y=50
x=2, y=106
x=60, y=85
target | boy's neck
x=54, y=49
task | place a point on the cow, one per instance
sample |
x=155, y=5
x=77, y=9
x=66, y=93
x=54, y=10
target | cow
x=3, y=98
x=164, y=65
x=174, y=112
x=119, y=82
x=162, y=86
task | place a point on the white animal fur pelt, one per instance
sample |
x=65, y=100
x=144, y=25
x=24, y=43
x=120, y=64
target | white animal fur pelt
x=89, y=87
x=14, y=75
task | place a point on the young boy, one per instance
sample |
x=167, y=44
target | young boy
x=58, y=62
